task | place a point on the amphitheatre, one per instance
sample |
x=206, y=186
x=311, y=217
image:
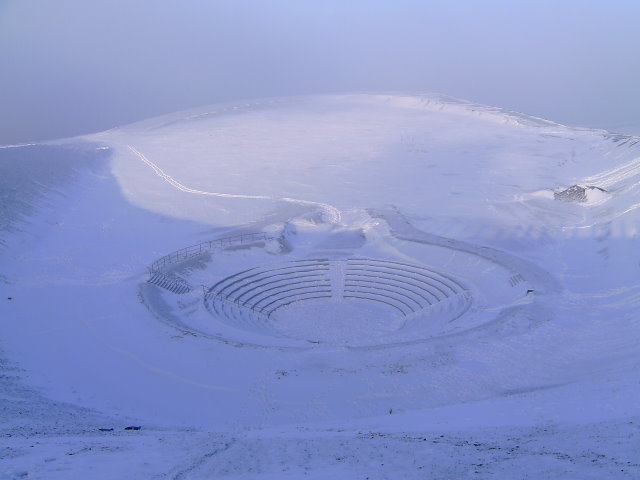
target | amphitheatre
x=364, y=300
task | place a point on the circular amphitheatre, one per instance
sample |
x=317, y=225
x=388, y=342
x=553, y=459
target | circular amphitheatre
x=361, y=300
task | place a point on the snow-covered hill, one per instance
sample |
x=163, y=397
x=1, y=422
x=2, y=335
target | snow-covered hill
x=346, y=286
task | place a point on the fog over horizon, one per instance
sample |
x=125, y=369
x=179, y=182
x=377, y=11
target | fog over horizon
x=76, y=67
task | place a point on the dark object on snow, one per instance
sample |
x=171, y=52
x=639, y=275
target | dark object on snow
x=529, y=292
x=575, y=193
x=9, y=298
x=106, y=429
x=132, y=428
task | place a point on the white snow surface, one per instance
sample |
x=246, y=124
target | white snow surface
x=441, y=313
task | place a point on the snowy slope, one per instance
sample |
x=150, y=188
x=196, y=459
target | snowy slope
x=391, y=286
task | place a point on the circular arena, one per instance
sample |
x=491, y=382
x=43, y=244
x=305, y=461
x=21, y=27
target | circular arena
x=340, y=287
x=321, y=299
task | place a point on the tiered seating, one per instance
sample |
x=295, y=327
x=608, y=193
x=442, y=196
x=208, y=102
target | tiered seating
x=263, y=290
x=250, y=297
x=405, y=287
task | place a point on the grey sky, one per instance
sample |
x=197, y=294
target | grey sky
x=77, y=66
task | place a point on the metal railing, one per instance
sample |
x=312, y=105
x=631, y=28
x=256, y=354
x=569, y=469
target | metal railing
x=204, y=247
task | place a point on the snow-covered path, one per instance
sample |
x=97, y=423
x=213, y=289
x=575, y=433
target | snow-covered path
x=330, y=213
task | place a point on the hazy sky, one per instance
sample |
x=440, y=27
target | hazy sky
x=76, y=66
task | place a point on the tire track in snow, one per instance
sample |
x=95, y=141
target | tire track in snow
x=201, y=461
x=619, y=178
x=611, y=177
x=330, y=213
x=18, y=145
